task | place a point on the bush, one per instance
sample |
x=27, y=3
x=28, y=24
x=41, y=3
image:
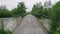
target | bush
x=5, y=32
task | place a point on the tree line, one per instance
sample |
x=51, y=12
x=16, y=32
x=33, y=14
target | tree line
x=20, y=10
x=52, y=13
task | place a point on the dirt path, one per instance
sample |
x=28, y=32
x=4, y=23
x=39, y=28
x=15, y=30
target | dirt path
x=30, y=25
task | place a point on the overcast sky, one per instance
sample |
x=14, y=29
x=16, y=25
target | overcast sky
x=28, y=3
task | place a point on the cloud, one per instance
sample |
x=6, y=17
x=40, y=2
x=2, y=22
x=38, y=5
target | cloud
x=9, y=3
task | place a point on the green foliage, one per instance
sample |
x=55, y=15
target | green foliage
x=55, y=17
x=37, y=10
x=57, y=31
x=4, y=12
x=40, y=12
x=5, y=32
x=46, y=12
x=1, y=32
x=20, y=10
x=51, y=13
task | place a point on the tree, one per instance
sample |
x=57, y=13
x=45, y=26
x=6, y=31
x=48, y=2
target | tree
x=20, y=10
x=37, y=10
x=4, y=12
x=55, y=16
